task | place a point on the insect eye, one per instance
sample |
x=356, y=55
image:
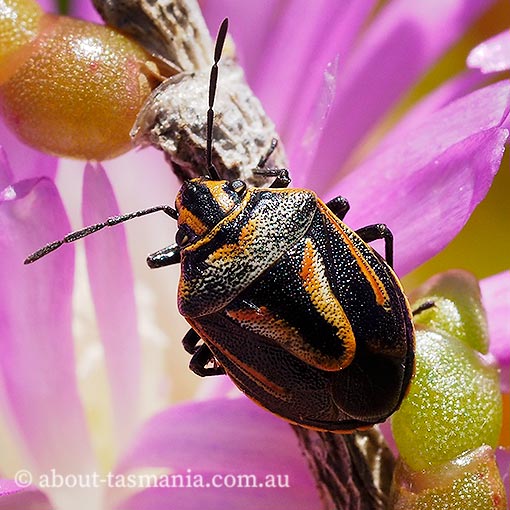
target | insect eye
x=238, y=186
x=183, y=236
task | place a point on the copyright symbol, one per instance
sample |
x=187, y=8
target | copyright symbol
x=23, y=478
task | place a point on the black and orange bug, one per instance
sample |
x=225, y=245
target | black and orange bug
x=306, y=318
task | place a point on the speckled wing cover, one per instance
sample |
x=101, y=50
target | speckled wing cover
x=311, y=323
x=241, y=247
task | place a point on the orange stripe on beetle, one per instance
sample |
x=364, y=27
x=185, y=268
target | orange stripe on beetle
x=262, y=321
x=239, y=249
x=316, y=284
x=186, y=217
x=381, y=296
x=220, y=197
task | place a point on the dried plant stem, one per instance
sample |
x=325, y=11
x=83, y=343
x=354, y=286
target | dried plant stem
x=352, y=471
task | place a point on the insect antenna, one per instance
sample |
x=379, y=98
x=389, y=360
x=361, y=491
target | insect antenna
x=213, y=81
x=84, y=232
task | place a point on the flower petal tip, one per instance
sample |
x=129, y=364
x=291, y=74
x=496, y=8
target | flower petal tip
x=491, y=56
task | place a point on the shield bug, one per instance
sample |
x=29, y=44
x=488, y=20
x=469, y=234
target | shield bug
x=303, y=315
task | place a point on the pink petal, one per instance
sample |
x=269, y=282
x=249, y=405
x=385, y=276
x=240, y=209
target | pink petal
x=492, y=55
x=224, y=436
x=308, y=109
x=303, y=152
x=111, y=281
x=37, y=368
x=6, y=176
x=326, y=31
x=385, y=429
x=25, y=161
x=285, y=56
x=48, y=5
x=84, y=9
x=503, y=460
x=425, y=187
x=402, y=42
x=250, y=25
x=216, y=387
x=14, y=497
x=481, y=110
x=427, y=208
x=496, y=299
x=439, y=98
x=213, y=498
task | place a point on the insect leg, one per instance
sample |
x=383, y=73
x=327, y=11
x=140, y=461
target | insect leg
x=282, y=176
x=164, y=257
x=200, y=359
x=190, y=341
x=427, y=305
x=265, y=158
x=379, y=231
x=339, y=207
x=282, y=179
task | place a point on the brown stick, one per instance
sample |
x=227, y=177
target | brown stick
x=352, y=471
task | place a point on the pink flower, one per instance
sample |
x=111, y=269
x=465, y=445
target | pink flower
x=330, y=75
x=492, y=55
